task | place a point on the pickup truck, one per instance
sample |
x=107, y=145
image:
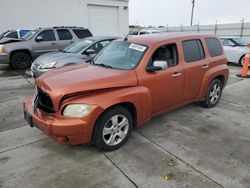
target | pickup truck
x=20, y=53
x=125, y=85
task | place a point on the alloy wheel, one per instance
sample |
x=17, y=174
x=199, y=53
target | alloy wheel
x=115, y=130
x=215, y=93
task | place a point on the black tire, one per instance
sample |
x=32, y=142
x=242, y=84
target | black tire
x=104, y=120
x=20, y=61
x=240, y=61
x=208, y=102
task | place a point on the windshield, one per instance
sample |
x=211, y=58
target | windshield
x=29, y=35
x=121, y=55
x=78, y=46
x=241, y=41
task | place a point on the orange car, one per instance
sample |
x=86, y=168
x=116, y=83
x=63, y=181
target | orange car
x=128, y=82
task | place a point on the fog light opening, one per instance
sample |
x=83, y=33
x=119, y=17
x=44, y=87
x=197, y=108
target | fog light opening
x=62, y=138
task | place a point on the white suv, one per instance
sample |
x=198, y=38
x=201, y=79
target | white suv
x=235, y=48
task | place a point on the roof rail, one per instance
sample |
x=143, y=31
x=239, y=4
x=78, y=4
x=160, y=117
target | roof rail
x=56, y=27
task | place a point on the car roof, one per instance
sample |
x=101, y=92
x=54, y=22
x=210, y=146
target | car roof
x=98, y=38
x=61, y=27
x=230, y=37
x=155, y=38
x=150, y=30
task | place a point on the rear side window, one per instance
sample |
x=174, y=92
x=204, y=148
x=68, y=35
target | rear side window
x=64, y=34
x=12, y=35
x=80, y=33
x=214, y=47
x=193, y=50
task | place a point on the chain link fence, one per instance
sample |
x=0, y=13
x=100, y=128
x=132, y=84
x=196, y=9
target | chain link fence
x=235, y=29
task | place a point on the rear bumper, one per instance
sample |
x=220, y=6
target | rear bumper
x=4, y=58
x=71, y=131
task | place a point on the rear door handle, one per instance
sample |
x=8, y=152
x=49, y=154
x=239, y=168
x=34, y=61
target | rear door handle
x=176, y=74
x=205, y=67
x=53, y=43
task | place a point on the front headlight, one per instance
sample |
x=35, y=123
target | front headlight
x=76, y=110
x=48, y=65
x=1, y=49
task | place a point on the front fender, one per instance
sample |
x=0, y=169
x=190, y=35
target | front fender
x=139, y=96
x=211, y=74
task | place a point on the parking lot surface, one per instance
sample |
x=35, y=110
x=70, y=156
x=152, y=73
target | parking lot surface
x=188, y=147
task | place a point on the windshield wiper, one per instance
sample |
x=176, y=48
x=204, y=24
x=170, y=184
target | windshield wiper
x=103, y=65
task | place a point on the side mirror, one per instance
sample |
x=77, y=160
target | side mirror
x=39, y=38
x=89, y=52
x=158, y=65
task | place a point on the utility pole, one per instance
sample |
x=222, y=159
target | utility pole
x=192, y=14
x=242, y=27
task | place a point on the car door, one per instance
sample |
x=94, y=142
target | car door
x=65, y=38
x=166, y=86
x=44, y=42
x=230, y=49
x=195, y=67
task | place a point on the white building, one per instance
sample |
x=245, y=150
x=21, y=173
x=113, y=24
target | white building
x=102, y=17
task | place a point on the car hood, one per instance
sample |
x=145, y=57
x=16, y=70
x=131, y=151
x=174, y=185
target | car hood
x=6, y=40
x=83, y=78
x=59, y=57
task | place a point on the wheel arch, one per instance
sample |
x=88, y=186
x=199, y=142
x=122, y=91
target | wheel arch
x=220, y=72
x=221, y=78
x=239, y=61
x=127, y=105
x=137, y=103
x=27, y=51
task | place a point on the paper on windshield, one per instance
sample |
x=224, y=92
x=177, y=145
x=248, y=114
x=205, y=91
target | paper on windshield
x=137, y=47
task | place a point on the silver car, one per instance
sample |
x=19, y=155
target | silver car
x=20, y=53
x=79, y=52
x=235, y=49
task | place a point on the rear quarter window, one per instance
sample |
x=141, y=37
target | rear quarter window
x=12, y=35
x=193, y=50
x=214, y=47
x=82, y=33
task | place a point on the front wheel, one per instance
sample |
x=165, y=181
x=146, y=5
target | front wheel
x=213, y=94
x=20, y=61
x=113, y=129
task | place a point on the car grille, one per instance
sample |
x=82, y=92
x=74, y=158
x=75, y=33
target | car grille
x=44, y=102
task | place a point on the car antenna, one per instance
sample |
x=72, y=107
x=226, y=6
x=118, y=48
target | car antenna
x=126, y=38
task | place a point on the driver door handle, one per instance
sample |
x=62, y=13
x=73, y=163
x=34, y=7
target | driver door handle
x=53, y=43
x=205, y=66
x=176, y=74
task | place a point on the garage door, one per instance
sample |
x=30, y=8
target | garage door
x=103, y=20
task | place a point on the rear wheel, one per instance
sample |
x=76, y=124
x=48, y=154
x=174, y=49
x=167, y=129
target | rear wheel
x=213, y=94
x=20, y=61
x=113, y=129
